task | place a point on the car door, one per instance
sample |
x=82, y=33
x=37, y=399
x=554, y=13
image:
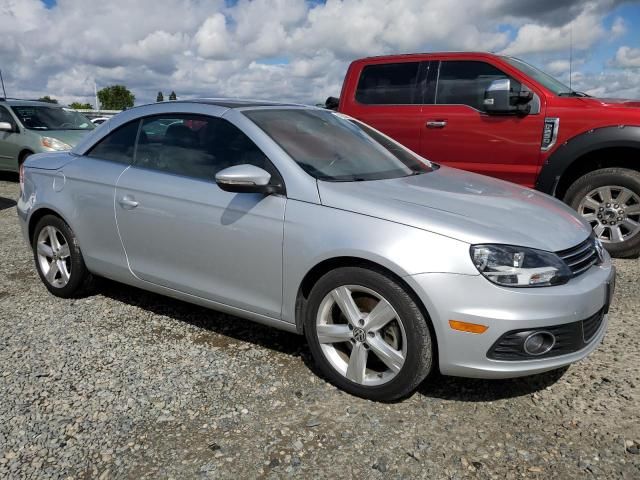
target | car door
x=457, y=132
x=389, y=97
x=183, y=232
x=9, y=143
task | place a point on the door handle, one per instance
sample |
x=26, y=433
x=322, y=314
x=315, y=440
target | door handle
x=436, y=123
x=128, y=203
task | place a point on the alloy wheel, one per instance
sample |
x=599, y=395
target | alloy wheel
x=613, y=212
x=361, y=335
x=54, y=256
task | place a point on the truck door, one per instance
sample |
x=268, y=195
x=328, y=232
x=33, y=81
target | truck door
x=389, y=96
x=457, y=132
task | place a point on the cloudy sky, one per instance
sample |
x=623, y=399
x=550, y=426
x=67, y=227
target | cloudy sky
x=297, y=50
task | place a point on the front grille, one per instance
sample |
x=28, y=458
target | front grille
x=570, y=337
x=580, y=258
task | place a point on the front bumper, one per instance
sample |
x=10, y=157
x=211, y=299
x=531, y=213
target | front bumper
x=474, y=299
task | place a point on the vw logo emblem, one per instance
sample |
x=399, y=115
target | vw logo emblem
x=359, y=335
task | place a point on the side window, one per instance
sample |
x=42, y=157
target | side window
x=386, y=84
x=464, y=82
x=195, y=146
x=118, y=146
x=5, y=116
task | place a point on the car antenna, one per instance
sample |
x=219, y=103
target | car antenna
x=4, y=92
x=570, y=55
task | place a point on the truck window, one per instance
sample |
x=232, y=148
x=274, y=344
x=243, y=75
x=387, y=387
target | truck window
x=389, y=84
x=464, y=82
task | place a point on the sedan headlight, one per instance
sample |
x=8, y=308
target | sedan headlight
x=54, y=144
x=512, y=266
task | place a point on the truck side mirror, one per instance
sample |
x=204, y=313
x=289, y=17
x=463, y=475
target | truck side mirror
x=499, y=99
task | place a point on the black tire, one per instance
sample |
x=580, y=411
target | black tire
x=419, y=347
x=613, y=177
x=23, y=157
x=79, y=277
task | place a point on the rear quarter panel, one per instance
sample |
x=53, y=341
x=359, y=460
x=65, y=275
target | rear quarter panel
x=82, y=192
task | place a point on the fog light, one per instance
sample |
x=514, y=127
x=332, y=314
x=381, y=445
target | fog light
x=539, y=343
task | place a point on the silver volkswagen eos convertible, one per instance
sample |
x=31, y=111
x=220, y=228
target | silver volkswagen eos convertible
x=313, y=222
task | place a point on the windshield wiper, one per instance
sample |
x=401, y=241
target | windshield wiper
x=573, y=93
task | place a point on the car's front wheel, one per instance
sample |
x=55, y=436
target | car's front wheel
x=609, y=199
x=58, y=258
x=367, y=334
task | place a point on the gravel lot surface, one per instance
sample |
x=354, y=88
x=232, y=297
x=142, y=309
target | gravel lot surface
x=128, y=384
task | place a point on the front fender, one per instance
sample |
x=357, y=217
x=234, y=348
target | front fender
x=574, y=148
x=316, y=233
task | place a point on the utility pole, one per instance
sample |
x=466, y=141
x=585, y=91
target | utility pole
x=95, y=92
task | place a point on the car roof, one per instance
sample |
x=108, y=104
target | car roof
x=15, y=102
x=232, y=103
x=425, y=55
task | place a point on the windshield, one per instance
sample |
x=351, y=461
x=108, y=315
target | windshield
x=330, y=147
x=544, y=79
x=51, y=118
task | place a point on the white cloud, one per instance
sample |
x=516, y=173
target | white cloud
x=627, y=57
x=580, y=33
x=558, y=67
x=212, y=39
x=618, y=28
x=278, y=49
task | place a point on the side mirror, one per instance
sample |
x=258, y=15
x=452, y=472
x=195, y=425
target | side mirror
x=246, y=179
x=500, y=99
x=6, y=127
x=332, y=103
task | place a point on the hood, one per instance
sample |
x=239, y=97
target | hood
x=70, y=137
x=610, y=102
x=465, y=206
x=49, y=161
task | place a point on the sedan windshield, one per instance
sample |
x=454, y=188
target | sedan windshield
x=51, y=118
x=331, y=147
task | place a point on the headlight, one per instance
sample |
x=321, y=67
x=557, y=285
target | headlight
x=519, y=266
x=54, y=144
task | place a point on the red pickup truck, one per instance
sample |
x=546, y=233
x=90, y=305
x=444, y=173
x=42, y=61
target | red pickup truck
x=500, y=116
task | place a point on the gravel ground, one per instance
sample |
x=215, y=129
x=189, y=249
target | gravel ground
x=128, y=384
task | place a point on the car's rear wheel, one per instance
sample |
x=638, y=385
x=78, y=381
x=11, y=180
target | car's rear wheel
x=609, y=199
x=58, y=258
x=367, y=334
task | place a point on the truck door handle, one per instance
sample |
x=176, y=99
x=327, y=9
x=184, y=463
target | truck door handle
x=128, y=203
x=436, y=123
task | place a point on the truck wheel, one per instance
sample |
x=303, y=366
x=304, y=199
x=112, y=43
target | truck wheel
x=609, y=199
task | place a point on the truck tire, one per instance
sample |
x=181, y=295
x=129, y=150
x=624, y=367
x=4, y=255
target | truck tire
x=609, y=199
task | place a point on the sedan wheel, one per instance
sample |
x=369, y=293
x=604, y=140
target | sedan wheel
x=58, y=257
x=54, y=256
x=361, y=335
x=367, y=333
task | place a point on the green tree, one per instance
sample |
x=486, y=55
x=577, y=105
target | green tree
x=116, y=97
x=173, y=96
x=160, y=97
x=80, y=106
x=47, y=99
